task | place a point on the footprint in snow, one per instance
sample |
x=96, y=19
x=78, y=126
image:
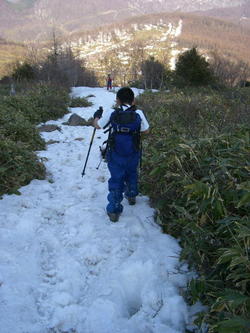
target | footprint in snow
x=101, y=179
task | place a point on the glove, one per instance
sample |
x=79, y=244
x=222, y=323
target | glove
x=98, y=113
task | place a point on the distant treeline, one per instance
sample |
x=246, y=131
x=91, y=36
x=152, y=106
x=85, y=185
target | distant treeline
x=59, y=67
x=201, y=31
x=193, y=69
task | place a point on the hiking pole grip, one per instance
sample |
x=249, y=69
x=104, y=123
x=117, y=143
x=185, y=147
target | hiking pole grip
x=90, y=145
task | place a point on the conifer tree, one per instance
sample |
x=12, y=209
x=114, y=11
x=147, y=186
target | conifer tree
x=193, y=69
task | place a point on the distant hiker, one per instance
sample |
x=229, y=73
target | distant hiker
x=109, y=82
x=12, y=89
x=125, y=125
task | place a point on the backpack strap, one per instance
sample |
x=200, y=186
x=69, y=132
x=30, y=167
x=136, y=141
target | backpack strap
x=110, y=142
x=131, y=108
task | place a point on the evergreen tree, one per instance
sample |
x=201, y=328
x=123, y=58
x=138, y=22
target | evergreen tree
x=192, y=69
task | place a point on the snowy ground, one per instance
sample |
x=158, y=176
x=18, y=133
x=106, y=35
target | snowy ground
x=64, y=267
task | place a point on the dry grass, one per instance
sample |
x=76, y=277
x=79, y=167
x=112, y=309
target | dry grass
x=10, y=53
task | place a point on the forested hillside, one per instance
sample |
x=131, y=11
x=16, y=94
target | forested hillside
x=162, y=36
x=239, y=14
x=210, y=33
x=33, y=19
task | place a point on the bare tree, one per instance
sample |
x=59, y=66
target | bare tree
x=111, y=64
x=227, y=71
x=137, y=56
x=153, y=73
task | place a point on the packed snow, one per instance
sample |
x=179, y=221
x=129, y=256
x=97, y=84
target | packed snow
x=64, y=267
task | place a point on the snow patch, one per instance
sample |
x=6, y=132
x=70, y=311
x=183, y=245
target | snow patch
x=65, y=267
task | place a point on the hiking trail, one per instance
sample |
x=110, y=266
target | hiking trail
x=64, y=267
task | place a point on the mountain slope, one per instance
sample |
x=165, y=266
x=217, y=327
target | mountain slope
x=37, y=18
x=239, y=14
x=120, y=47
x=161, y=35
x=208, y=33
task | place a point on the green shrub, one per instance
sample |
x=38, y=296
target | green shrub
x=23, y=72
x=4, y=89
x=192, y=69
x=18, y=167
x=40, y=104
x=14, y=126
x=79, y=102
x=51, y=101
x=194, y=113
x=19, y=136
x=196, y=170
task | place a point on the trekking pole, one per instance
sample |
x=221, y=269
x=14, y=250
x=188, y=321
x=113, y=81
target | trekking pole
x=141, y=150
x=98, y=166
x=90, y=145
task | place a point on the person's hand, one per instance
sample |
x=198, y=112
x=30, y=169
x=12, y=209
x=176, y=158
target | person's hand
x=144, y=133
x=95, y=123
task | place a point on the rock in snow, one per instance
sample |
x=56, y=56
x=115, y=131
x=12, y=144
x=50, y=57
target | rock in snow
x=64, y=267
x=76, y=120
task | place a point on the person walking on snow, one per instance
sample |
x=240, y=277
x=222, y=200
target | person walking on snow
x=109, y=82
x=126, y=124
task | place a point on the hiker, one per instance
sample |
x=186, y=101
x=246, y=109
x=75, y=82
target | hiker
x=126, y=124
x=12, y=90
x=109, y=82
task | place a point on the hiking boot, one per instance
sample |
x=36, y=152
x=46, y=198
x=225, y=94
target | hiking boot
x=114, y=217
x=131, y=200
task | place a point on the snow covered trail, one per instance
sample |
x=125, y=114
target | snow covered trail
x=64, y=267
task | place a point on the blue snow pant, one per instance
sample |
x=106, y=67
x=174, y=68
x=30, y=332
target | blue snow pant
x=124, y=178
